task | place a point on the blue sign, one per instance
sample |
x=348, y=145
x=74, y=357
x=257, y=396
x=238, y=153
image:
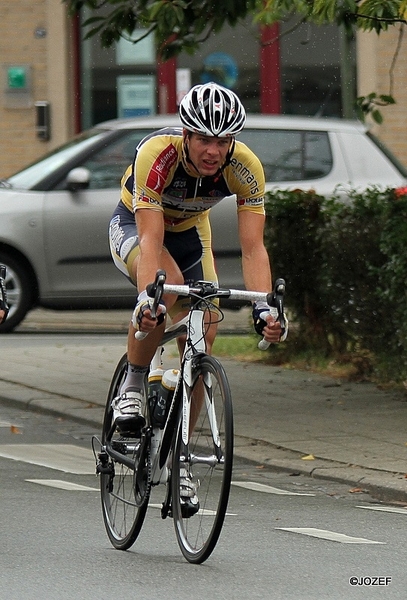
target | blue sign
x=220, y=68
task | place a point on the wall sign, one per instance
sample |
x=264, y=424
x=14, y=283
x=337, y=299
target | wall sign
x=136, y=95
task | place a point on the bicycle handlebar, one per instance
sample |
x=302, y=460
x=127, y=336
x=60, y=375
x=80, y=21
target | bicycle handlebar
x=205, y=289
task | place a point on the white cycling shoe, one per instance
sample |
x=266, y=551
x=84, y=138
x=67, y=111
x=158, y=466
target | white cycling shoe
x=127, y=412
x=188, y=493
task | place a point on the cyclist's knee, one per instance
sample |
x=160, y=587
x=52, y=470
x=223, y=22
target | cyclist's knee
x=210, y=337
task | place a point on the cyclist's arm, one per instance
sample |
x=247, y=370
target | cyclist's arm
x=256, y=264
x=150, y=227
x=255, y=260
x=251, y=216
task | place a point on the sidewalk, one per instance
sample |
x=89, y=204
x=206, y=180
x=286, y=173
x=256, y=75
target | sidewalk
x=289, y=420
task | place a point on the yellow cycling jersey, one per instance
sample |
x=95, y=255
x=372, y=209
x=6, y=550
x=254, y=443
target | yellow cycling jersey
x=160, y=179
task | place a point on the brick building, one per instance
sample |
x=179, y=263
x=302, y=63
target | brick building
x=375, y=57
x=36, y=65
x=46, y=63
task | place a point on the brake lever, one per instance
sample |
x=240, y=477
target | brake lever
x=154, y=290
x=279, y=291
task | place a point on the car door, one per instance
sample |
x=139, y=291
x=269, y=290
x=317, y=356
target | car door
x=76, y=229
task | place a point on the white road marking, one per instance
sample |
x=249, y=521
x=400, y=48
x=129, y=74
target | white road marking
x=268, y=489
x=204, y=511
x=8, y=424
x=391, y=509
x=63, y=485
x=62, y=457
x=328, y=535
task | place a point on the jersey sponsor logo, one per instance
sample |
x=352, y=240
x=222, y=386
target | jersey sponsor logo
x=211, y=200
x=116, y=233
x=191, y=205
x=245, y=175
x=144, y=197
x=179, y=183
x=174, y=194
x=161, y=167
x=251, y=201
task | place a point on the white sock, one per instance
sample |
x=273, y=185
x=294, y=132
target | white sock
x=134, y=377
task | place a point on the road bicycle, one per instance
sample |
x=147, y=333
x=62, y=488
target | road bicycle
x=196, y=432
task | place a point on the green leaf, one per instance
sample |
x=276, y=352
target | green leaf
x=388, y=99
x=377, y=116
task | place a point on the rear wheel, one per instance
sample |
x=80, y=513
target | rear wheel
x=124, y=492
x=208, y=456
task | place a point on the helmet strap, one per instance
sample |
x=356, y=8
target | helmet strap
x=229, y=154
x=227, y=160
x=185, y=151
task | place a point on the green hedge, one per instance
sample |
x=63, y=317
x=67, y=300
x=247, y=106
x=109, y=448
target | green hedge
x=345, y=266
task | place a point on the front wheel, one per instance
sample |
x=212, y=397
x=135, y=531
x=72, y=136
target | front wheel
x=124, y=493
x=208, y=457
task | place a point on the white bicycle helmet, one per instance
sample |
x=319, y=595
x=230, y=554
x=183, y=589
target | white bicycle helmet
x=213, y=110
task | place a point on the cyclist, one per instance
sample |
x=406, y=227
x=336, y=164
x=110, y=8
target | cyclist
x=4, y=308
x=162, y=222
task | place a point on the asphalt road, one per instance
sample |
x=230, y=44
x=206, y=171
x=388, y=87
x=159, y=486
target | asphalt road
x=285, y=537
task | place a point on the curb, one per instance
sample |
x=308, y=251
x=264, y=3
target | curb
x=382, y=485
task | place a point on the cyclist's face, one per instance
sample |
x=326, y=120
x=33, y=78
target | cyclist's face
x=207, y=153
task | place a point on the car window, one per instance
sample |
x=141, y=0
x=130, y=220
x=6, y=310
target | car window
x=108, y=164
x=290, y=155
x=29, y=177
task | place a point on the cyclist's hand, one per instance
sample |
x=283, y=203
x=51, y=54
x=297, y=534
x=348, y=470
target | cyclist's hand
x=266, y=323
x=142, y=319
x=272, y=331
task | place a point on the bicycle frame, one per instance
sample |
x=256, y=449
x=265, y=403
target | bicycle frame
x=193, y=326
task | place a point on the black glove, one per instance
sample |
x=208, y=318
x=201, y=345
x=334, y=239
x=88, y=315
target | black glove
x=260, y=312
x=145, y=303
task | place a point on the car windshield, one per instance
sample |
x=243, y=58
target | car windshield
x=31, y=175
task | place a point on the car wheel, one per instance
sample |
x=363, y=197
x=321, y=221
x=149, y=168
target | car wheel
x=19, y=288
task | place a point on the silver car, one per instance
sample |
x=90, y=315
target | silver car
x=54, y=214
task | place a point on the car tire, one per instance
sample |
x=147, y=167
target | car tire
x=20, y=291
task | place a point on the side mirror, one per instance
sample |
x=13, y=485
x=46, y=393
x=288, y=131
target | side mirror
x=78, y=179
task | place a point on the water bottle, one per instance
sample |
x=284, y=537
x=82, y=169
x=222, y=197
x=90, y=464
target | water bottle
x=154, y=387
x=167, y=387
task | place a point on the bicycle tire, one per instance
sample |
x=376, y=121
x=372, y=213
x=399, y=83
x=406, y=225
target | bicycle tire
x=210, y=464
x=123, y=511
